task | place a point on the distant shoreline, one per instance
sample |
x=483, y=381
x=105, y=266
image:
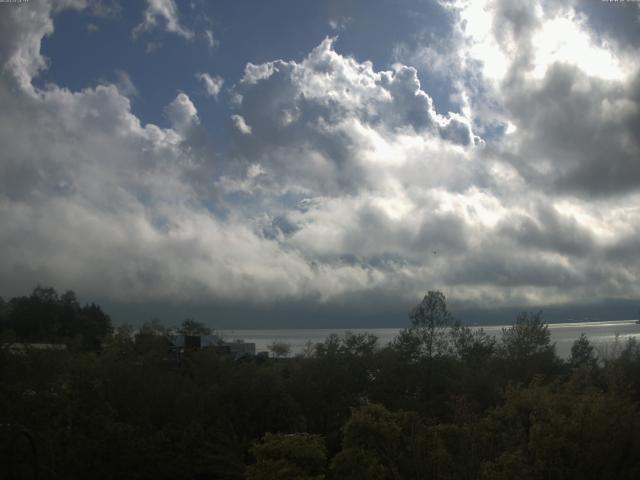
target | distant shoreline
x=552, y=324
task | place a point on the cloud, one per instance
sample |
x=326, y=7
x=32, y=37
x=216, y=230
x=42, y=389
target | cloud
x=213, y=85
x=331, y=124
x=339, y=23
x=167, y=11
x=575, y=104
x=211, y=40
x=340, y=182
x=240, y=124
x=125, y=85
x=102, y=8
x=21, y=31
x=182, y=113
x=329, y=86
x=566, y=96
x=87, y=188
x=616, y=25
x=350, y=137
x=152, y=47
x=582, y=130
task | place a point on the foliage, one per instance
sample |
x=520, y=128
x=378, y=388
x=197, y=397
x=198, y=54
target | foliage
x=472, y=346
x=46, y=317
x=280, y=349
x=526, y=348
x=583, y=354
x=429, y=320
x=529, y=335
x=297, y=456
x=153, y=327
x=477, y=408
x=193, y=327
x=555, y=432
x=622, y=371
x=357, y=464
x=383, y=439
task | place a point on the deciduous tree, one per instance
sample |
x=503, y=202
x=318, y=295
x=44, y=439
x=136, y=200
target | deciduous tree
x=298, y=456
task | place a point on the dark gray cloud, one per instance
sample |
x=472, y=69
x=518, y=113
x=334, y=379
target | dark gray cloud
x=572, y=96
x=614, y=21
x=585, y=129
x=549, y=230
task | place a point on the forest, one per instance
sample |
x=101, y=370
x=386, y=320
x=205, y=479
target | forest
x=441, y=401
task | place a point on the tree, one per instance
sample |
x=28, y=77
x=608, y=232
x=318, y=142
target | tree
x=380, y=442
x=69, y=300
x=308, y=350
x=7, y=334
x=407, y=345
x=527, y=336
x=153, y=327
x=473, y=375
x=45, y=295
x=298, y=456
x=622, y=370
x=279, y=348
x=193, y=327
x=357, y=464
x=429, y=320
x=151, y=339
x=359, y=344
x=582, y=353
x=121, y=344
x=46, y=317
x=526, y=347
x=555, y=431
x=95, y=325
x=330, y=347
x=36, y=318
x=472, y=347
x=428, y=334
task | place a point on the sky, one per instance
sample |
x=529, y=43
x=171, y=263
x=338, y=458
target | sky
x=322, y=163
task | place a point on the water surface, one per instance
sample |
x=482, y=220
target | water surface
x=601, y=334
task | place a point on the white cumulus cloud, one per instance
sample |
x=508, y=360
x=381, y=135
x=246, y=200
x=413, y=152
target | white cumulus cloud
x=213, y=84
x=166, y=11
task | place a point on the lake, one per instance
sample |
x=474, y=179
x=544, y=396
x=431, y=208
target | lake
x=601, y=334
